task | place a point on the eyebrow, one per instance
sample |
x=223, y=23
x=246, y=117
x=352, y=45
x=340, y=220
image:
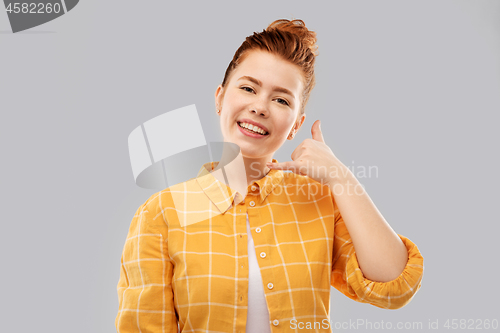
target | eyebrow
x=275, y=88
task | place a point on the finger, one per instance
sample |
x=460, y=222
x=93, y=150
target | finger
x=316, y=131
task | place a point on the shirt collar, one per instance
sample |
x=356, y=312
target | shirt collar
x=222, y=196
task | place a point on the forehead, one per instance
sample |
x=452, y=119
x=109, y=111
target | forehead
x=271, y=70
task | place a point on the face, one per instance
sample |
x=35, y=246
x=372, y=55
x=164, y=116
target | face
x=263, y=90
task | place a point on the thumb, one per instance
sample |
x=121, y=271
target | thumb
x=316, y=131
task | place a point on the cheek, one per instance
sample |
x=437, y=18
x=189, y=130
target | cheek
x=280, y=132
x=232, y=100
x=227, y=124
x=285, y=125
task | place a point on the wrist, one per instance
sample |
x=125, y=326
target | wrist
x=345, y=183
x=341, y=175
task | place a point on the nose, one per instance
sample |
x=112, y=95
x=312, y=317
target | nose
x=260, y=112
x=260, y=109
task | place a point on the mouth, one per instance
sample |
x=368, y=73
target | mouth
x=251, y=132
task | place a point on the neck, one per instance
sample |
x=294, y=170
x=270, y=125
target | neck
x=240, y=171
x=256, y=168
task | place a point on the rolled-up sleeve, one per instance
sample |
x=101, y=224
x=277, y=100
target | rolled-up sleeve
x=348, y=278
x=145, y=296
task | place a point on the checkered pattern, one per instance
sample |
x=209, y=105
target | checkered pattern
x=185, y=261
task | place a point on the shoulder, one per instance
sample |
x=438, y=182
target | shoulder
x=167, y=204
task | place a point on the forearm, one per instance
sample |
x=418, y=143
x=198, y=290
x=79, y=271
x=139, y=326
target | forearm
x=381, y=254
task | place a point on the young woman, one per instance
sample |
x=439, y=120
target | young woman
x=259, y=252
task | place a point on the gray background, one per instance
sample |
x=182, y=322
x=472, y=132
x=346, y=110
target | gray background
x=411, y=87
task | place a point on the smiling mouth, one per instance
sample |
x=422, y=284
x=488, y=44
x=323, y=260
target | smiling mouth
x=250, y=131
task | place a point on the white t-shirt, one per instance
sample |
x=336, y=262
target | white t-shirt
x=258, y=315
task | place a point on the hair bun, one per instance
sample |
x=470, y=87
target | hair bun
x=298, y=28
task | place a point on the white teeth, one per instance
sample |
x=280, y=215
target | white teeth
x=253, y=128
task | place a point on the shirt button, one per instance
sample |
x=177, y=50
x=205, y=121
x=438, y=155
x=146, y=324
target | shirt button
x=276, y=322
x=263, y=254
x=270, y=285
x=257, y=230
x=253, y=187
x=252, y=203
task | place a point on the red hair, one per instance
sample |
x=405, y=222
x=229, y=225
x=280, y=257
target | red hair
x=290, y=40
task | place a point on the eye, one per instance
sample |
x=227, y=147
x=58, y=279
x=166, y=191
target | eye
x=280, y=100
x=251, y=90
x=285, y=102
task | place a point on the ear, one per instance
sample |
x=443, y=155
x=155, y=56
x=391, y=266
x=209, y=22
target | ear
x=300, y=121
x=219, y=95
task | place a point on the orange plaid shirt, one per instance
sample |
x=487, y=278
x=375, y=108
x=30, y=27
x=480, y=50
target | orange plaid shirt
x=185, y=262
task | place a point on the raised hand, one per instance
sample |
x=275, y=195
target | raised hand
x=313, y=158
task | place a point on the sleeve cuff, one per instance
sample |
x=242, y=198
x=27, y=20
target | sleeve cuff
x=391, y=294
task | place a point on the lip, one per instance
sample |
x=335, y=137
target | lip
x=252, y=135
x=244, y=120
